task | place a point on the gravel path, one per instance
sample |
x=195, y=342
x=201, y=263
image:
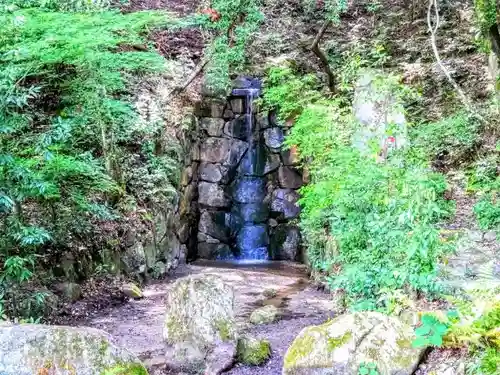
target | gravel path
x=137, y=325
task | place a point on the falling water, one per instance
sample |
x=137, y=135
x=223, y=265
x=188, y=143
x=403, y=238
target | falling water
x=249, y=209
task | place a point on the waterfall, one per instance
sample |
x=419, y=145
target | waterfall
x=249, y=208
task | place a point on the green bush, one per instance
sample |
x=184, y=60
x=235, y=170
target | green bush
x=368, y=226
x=66, y=129
x=487, y=212
x=473, y=324
x=450, y=140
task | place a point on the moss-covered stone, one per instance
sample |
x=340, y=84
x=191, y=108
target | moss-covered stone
x=270, y=293
x=126, y=369
x=200, y=328
x=33, y=349
x=252, y=351
x=264, y=315
x=133, y=291
x=348, y=341
x=335, y=342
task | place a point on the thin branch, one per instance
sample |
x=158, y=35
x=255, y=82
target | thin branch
x=324, y=60
x=433, y=30
x=191, y=78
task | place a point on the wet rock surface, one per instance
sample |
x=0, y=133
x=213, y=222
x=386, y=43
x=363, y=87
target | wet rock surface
x=274, y=138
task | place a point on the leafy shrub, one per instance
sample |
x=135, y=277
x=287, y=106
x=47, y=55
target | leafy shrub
x=450, y=140
x=232, y=24
x=487, y=212
x=59, y=5
x=430, y=332
x=66, y=131
x=473, y=324
x=287, y=93
x=368, y=369
x=368, y=226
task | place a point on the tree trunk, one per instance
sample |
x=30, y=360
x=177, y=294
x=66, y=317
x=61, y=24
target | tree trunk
x=322, y=57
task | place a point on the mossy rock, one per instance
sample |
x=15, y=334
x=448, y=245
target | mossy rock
x=126, y=369
x=35, y=349
x=253, y=351
x=343, y=344
x=132, y=291
x=264, y=315
x=199, y=322
x=270, y=293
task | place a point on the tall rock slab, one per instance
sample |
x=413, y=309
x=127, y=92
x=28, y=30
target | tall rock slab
x=380, y=114
x=200, y=330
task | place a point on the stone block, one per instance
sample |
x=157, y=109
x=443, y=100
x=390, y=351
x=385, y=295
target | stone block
x=274, y=138
x=284, y=204
x=213, y=126
x=214, y=173
x=238, y=105
x=227, y=152
x=212, y=195
x=213, y=223
x=289, y=178
x=285, y=242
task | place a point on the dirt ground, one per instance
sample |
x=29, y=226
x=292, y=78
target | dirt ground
x=138, y=325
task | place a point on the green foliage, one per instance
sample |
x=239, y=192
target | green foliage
x=237, y=22
x=430, y=332
x=66, y=131
x=489, y=361
x=486, y=14
x=329, y=9
x=368, y=369
x=474, y=324
x=287, y=93
x=59, y=5
x=482, y=176
x=451, y=139
x=487, y=212
x=368, y=226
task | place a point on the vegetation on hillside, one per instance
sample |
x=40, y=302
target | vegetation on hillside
x=67, y=133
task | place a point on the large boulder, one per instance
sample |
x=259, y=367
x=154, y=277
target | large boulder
x=200, y=329
x=342, y=345
x=35, y=349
